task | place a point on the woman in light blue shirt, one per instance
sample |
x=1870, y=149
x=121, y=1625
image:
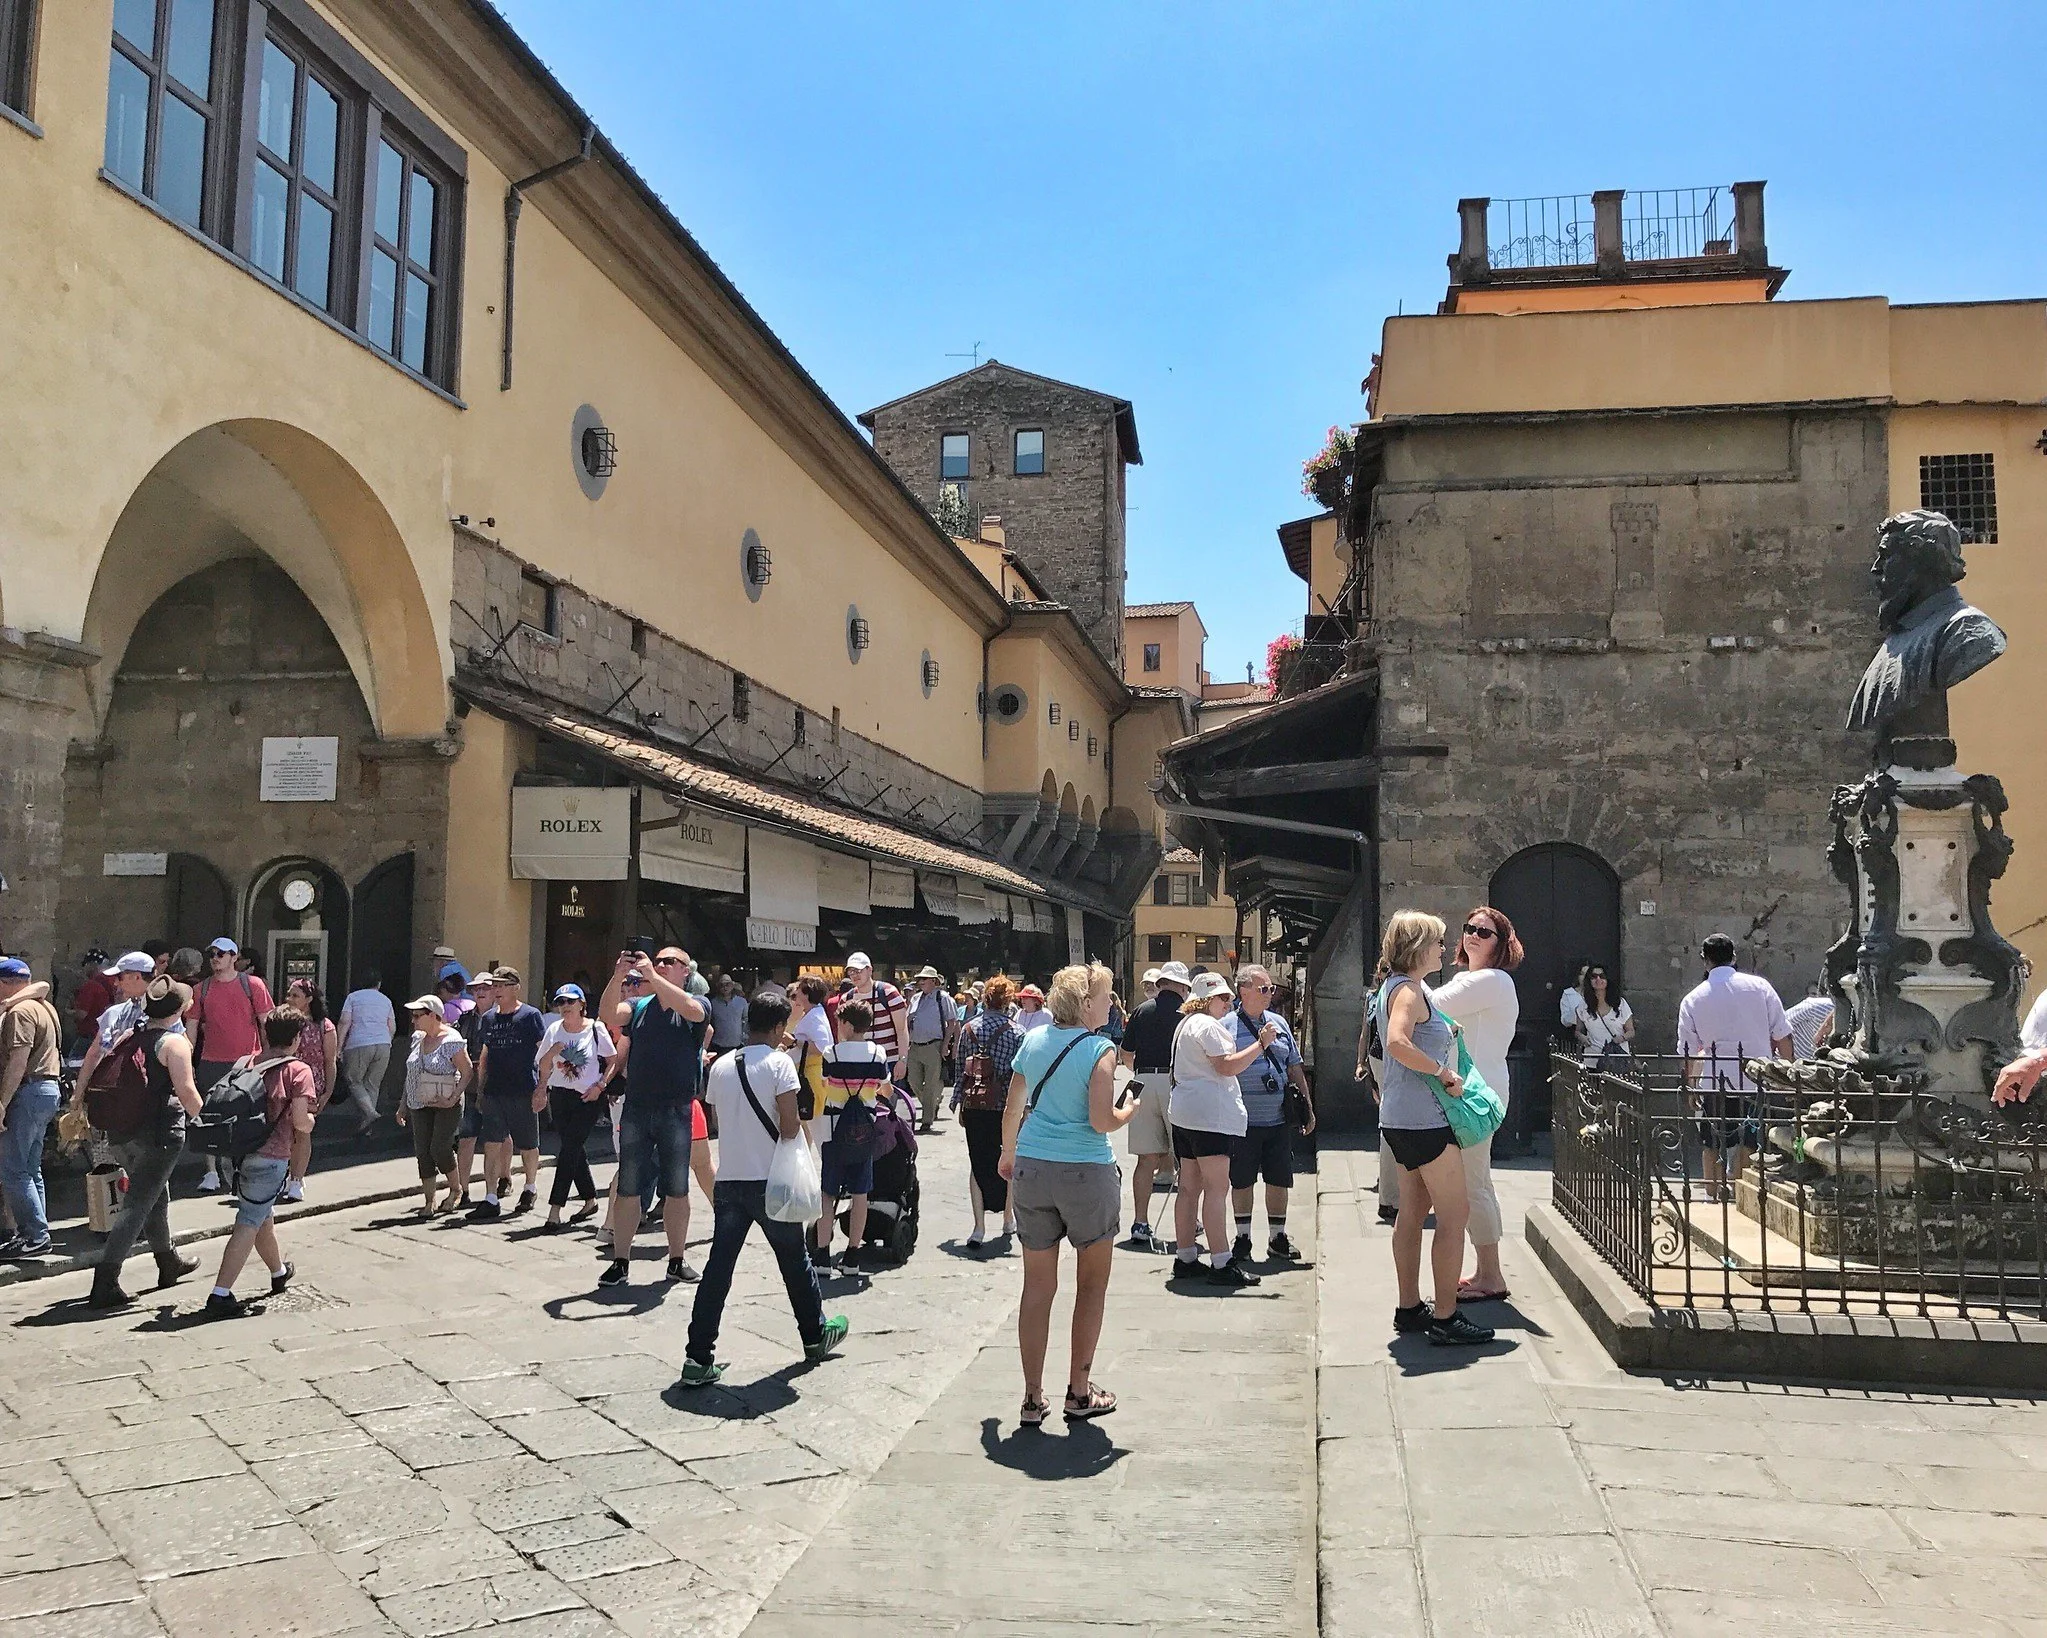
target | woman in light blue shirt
x=1063, y=1181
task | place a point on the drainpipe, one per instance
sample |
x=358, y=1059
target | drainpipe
x=514, y=197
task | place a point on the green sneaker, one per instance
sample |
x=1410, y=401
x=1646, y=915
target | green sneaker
x=696, y=1374
x=835, y=1330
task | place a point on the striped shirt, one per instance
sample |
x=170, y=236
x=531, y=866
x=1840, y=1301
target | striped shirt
x=885, y=998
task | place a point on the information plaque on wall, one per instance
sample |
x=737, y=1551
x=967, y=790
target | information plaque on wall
x=299, y=770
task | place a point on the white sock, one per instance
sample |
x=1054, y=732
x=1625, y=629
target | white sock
x=1218, y=1259
x=490, y=1198
x=1187, y=1254
x=222, y=1291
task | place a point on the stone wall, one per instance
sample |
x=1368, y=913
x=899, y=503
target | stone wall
x=1067, y=525
x=227, y=657
x=599, y=649
x=41, y=687
x=1639, y=635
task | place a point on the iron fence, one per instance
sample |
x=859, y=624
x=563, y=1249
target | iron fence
x=1834, y=1194
x=1552, y=232
x=1657, y=224
x=1309, y=665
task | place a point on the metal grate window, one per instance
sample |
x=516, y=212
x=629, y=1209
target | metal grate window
x=1964, y=489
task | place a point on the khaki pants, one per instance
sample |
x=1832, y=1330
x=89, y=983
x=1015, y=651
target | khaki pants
x=927, y=1077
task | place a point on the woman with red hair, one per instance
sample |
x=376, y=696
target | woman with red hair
x=1482, y=999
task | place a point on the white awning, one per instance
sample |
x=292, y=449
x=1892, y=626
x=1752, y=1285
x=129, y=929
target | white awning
x=842, y=882
x=941, y=891
x=697, y=848
x=893, y=889
x=781, y=878
x=571, y=833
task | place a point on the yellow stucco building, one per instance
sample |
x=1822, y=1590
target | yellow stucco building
x=410, y=536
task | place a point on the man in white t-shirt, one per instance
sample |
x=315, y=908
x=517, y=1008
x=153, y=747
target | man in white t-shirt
x=753, y=1091
x=1721, y=1024
x=366, y=1023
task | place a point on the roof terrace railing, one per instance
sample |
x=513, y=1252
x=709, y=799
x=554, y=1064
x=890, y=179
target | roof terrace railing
x=1608, y=229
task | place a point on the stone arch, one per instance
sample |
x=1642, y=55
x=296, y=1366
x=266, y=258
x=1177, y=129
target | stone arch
x=1087, y=810
x=262, y=487
x=1578, y=813
x=1048, y=788
x=1069, y=803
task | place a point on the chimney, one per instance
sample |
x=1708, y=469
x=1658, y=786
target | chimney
x=1471, y=265
x=1748, y=225
x=992, y=530
x=1609, y=250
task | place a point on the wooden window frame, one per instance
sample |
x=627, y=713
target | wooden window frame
x=217, y=109
x=17, y=55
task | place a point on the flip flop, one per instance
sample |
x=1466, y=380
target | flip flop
x=1467, y=1293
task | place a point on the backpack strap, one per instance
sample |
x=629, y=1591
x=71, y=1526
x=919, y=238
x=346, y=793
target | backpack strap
x=1045, y=1079
x=739, y=1063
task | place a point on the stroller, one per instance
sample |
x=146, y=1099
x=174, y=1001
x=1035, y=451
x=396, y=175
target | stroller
x=892, y=1206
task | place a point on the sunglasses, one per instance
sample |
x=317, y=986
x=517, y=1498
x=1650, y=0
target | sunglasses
x=670, y=961
x=1473, y=930
x=1261, y=989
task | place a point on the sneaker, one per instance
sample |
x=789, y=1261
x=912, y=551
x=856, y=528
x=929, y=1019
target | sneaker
x=850, y=1262
x=820, y=1256
x=1240, y=1249
x=679, y=1269
x=835, y=1330
x=697, y=1374
x=526, y=1199
x=210, y=1183
x=976, y=1238
x=175, y=1269
x=282, y=1278
x=1389, y=1215
x=224, y=1307
x=1141, y=1236
x=18, y=1247
x=1186, y=1268
x=615, y=1273
x=294, y=1190
x=486, y=1211
x=1232, y=1273
x=1417, y=1318
x=1457, y=1331
x=1281, y=1247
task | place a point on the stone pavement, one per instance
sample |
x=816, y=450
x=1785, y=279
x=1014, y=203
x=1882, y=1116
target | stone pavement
x=445, y=1428
x=1531, y=1488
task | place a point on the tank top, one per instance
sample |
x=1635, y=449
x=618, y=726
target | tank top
x=170, y=1127
x=1407, y=1098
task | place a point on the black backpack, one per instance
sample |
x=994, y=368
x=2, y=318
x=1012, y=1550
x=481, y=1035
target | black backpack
x=235, y=1119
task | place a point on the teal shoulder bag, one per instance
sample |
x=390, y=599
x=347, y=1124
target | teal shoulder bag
x=1479, y=1113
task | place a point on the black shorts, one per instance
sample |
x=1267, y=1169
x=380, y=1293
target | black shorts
x=1413, y=1148
x=510, y=1119
x=1263, y=1151
x=1190, y=1143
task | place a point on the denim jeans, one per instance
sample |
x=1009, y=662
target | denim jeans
x=653, y=1148
x=736, y=1208
x=21, y=1156
x=147, y=1209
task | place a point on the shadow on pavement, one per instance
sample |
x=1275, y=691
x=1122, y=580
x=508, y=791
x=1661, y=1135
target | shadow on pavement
x=1086, y=1452
x=1417, y=1356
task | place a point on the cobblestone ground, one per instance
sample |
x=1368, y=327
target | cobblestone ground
x=444, y=1428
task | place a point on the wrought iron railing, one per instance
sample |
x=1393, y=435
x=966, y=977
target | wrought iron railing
x=1657, y=224
x=1308, y=665
x=1876, y=1198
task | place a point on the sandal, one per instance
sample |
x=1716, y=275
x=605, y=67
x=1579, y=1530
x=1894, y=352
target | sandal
x=1468, y=1292
x=1096, y=1402
x=1034, y=1412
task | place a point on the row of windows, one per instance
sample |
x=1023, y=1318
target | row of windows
x=1168, y=888
x=1027, y=456
x=239, y=119
x=1158, y=947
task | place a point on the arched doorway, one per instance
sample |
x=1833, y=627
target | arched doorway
x=1565, y=902
x=382, y=930
x=298, y=921
x=202, y=905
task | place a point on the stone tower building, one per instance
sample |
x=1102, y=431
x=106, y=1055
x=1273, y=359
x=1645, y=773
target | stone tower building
x=1045, y=456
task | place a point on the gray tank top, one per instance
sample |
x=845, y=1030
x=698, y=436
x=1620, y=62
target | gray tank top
x=1407, y=1100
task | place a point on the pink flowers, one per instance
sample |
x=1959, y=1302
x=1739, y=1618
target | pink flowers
x=1276, y=652
x=1327, y=464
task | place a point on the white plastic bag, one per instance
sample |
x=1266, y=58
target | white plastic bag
x=795, y=1191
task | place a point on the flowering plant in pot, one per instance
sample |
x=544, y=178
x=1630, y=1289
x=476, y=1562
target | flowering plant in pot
x=1276, y=652
x=1324, y=474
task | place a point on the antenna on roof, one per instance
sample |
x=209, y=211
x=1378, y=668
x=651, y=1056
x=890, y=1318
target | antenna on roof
x=975, y=355
x=1248, y=677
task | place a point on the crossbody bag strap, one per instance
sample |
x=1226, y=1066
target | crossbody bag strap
x=1045, y=1079
x=746, y=1086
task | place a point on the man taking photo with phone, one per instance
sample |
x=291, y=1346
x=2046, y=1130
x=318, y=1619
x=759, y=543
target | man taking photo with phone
x=659, y=1028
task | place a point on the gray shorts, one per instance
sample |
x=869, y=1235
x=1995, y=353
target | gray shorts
x=1054, y=1200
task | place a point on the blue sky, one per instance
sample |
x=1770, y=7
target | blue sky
x=1209, y=209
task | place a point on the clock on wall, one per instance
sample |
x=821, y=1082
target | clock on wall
x=298, y=893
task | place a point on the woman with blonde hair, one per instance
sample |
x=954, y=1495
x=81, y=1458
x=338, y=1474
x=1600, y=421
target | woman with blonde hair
x=1421, y=1058
x=1063, y=1182
x=986, y=1055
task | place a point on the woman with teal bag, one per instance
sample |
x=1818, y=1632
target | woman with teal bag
x=1422, y=1071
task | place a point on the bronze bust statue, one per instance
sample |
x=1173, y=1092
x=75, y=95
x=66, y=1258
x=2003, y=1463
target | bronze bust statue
x=1932, y=640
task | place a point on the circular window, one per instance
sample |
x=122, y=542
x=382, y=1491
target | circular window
x=1008, y=703
x=593, y=447
x=858, y=633
x=756, y=565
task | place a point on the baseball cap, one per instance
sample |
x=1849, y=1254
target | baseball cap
x=1209, y=985
x=1151, y=975
x=508, y=975
x=13, y=968
x=570, y=992
x=223, y=945
x=486, y=978
x=133, y=962
x=427, y=1003
x=1174, y=972
x=859, y=958
x=453, y=969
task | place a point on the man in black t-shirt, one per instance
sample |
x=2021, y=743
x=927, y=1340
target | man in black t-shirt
x=1148, y=1049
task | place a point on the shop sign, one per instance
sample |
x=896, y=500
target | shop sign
x=694, y=848
x=941, y=892
x=135, y=864
x=893, y=889
x=299, y=770
x=570, y=833
x=842, y=883
x=765, y=933
x=1076, y=943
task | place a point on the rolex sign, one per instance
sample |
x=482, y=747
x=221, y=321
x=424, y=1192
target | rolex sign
x=571, y=833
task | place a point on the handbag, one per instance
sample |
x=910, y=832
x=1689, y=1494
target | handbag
x=978, y=1089
x=1480, y=1111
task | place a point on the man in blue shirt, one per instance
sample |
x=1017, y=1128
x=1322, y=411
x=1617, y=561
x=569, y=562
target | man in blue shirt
x=1267, y=1146
x=507, y=1074
x=660, y=1034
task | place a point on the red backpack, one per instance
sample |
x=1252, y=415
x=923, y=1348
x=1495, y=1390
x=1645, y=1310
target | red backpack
x=118, y=1101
